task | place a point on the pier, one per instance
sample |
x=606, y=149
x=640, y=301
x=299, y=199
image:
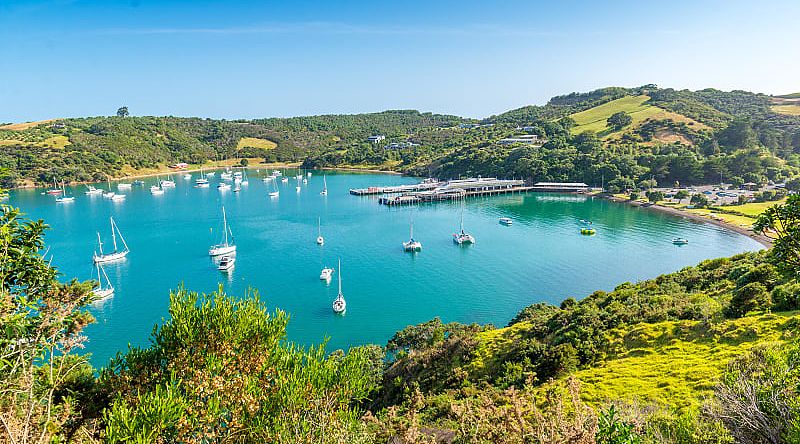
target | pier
x=457, y=189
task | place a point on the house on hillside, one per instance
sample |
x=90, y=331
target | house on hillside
x=527, y=139
x=376, y=139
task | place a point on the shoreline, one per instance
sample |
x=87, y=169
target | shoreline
x=760, y=238
x=212, y=168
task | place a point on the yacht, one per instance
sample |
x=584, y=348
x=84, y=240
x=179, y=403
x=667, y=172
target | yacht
x=115, y=255
x=223, y=186
x=64, y=198
x=124, y=186
x=339, y=304
x=92, y=191
x=226, y=175
x=226, y=246
x=326, y=274
x=201, y=182
x=506, y=221
x=102, y=291
x=138, y=183
x=285, y=180
x=187, y=176
x=324, y=191
x=320, y=239
x=55, y=190
x=226, y=263
x=412, y=245
x=167, y=183
x=463, y=237
x=109, y=194
x=211, y=174
x=118, y=197
x=156, y=190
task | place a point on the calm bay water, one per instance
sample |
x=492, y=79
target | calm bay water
x=541, y=257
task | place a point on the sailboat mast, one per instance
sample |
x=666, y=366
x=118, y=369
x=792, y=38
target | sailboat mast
x=100, y=243
x=319, y=226
x=339, y=275
x=225, y=225
x=113, y=234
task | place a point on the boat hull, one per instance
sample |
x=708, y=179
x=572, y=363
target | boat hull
x=99, y=259
x=220, y=250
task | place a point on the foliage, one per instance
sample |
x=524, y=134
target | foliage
x=613, y=430
x=757, y=399
x=43, y=386
x=619, y=120
x=784, y=222
x=220, y=368
x=123, y=112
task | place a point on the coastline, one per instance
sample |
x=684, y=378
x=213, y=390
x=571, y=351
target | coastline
x=760, y=238
x=142, y=175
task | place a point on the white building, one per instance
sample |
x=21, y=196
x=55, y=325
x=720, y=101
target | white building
x=376, y=139
x=528, y=139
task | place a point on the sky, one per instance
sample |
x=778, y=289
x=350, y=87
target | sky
x=250, y=59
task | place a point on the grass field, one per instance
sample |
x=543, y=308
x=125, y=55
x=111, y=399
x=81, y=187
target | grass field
x=791, y=110
x=256, y=143
x=677, y=363
x=594, y=119
x=23, y=126
x=50, y=142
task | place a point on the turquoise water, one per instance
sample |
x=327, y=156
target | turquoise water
x=541, y=257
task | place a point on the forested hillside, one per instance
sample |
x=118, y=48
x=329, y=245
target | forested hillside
x=618, y=136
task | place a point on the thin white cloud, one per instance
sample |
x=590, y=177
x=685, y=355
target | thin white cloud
x=333, y=28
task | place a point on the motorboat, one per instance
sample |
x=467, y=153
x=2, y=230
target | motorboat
x=326, y=274
x=124, y=186
x=156, y=190
x=226, y=263
x=680, y=241
x=506, y=221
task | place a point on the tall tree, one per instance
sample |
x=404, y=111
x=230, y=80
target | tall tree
x=783, y=223
x=619, y=120
x=123, y=112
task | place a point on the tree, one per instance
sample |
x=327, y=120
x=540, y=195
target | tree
x=699, y=200
x=681, y=194
x=782, y=222
x=123, y=112
x=619, y=120
x=655, y=196
x=244, y=162
x=41, y=320
x=751, y=297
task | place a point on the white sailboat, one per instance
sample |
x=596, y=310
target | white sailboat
x=201, y=182
x=227, y=246
x=244, y=181
x=115, y=255
x=100, y=291
x=463, y=237
x=339, y=304
x=297, y=188
x=412, y=245
x=168, y=182
x=320, y=239
x=156, y=190
x=109, y=194
x=324, y=191
x=124, y=186
x=275, y=193
x=64, y=198
x=92, y=191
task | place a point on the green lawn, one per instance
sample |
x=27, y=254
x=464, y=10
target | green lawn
x=791, y=110
x=594, y=119
x=256, y=143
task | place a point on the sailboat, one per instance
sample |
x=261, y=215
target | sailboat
x=339, y=304
x=168, y=182
x=297, y=188
x=156, y=190
x=320, y=239
x=101, y=292
x=226, y=247
x=201, y=182
x=412, y=245
x=109, y=194
x=55, y=190
x=275, y=193
x=462, y=237
x=92, y=191
x=116, y=254
x=324, y=191
x=64, y=198
x=244, y=181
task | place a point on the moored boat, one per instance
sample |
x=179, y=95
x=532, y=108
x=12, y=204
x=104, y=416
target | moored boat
x=115, y=255
x=227, y=246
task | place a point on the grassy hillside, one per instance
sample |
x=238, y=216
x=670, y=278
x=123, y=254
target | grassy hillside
x=595, y=119
x=789, y=110
x=254, y=142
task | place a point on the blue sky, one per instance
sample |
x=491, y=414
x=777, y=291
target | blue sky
x=247, y=59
